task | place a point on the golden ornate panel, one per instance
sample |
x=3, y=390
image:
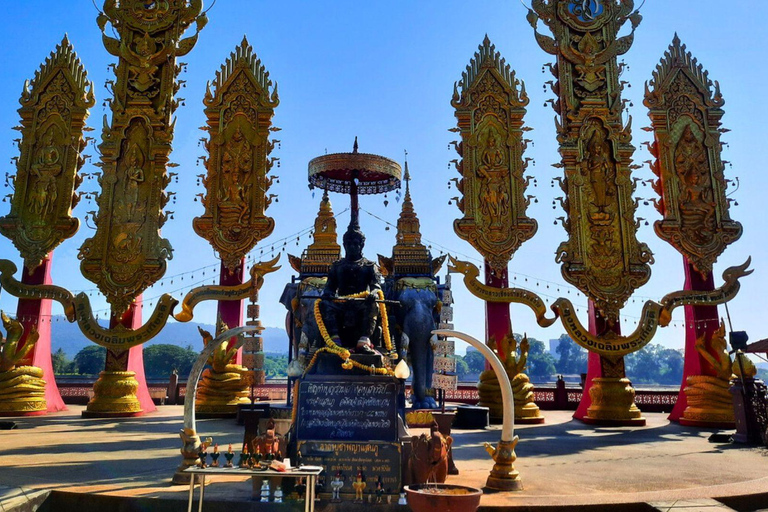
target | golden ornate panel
x=239, y=113
x=54, y=107
x=127, y=253
x=602, y=256
x=685, y=112
x=490, y=104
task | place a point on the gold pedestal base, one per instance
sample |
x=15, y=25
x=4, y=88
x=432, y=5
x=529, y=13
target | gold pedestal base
x=114, y=395
x=504, y=476
x=489, y=391
x=220, y=392
x=22, y=392
x=709, y=403
x=613, y=403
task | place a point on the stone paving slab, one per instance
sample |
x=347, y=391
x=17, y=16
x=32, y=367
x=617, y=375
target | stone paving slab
x=562, y=462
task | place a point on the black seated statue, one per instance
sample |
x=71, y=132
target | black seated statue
x=351, y=323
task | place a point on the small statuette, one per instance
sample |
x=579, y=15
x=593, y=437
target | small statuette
x=359, y=486
x=255, y=461
x=336, y=484
x=229, y=456
x=265, y=491
x=379, y=490
x=402, y=500
x=215, y=456
x=244, y=457
x=279, y=495
x=301, y=488
x=203, y=455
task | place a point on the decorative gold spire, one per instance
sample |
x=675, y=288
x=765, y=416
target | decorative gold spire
x=408, y=234
x=409, y=256
x=325, y=249
x=325, y=227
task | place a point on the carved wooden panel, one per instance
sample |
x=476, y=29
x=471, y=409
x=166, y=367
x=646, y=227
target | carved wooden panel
x=602, y=256
x=490, y=104
x=685, y=111
x=54, y=107
x=127, y=253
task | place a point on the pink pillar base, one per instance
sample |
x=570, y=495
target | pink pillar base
x=135, y=363
x=37, y=312
x=597, y=326
x=699, y=320
x=498, y=322
x=231, y=311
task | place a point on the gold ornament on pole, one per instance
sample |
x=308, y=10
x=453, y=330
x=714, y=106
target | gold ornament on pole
x=127, y=253
x=685, y=112
x=239, y=115
x=602, y=256
x=54, y=107
x=490, y=104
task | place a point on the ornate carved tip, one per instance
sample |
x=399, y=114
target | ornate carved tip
x=486, y=41
x=676, y=40
x=354, y=146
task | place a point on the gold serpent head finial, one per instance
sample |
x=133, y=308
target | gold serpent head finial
x=10, y=353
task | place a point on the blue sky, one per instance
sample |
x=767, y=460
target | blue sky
x=384, y=71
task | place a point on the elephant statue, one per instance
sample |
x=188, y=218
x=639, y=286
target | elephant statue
x=414, y=319
x=299, y=299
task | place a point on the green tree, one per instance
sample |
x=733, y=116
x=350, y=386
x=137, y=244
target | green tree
x=462, y=368
x=61, y=363
x=160, y=360
x=475, y=361
x=540, y=362
x=571, y=357
x=655, y=364
x=275, y=366
x=90, y=360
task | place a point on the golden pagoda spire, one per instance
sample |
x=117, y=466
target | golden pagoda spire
x=324, y=249
x=408, y=225
x=325, y=237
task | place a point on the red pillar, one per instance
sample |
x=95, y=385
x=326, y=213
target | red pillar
x=37, y=312
x=231, y=311
x=135, y=363
x=698, y=320
x=498, y=322
x=597, y=326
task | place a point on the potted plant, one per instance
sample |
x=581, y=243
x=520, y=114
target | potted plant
x=443, y=497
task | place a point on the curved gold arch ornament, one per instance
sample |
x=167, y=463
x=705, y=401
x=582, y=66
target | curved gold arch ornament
x=654, y=314
x=77, y=308
x=236, y=292
x=502, y=295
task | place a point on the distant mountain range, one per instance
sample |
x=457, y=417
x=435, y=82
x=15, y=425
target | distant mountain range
x=68, y=337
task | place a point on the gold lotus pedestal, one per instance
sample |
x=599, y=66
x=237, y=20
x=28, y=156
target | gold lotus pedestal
x=613, y=403
x=114, y=396
x=219, y=393
x=22, y=391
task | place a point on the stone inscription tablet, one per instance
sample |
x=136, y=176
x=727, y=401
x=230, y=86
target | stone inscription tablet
x=374, y=459
x=359, y=409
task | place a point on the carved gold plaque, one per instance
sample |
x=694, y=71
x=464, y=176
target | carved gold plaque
x=127, y=253
x=54, y=107
x=239, y=113
x=685, y=114
x=602, y=256
x=490, y=105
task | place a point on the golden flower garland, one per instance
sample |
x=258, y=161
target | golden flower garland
x=343, y=353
